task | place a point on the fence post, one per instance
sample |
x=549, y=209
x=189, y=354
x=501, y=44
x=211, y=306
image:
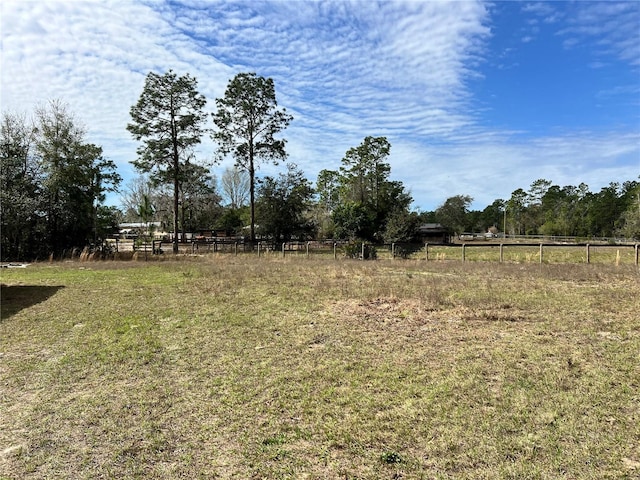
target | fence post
x=393, y=250
x=259, y=243
x=464, y=252
x=308, y=243
x=636, y=249
x=501, y=252
x=426, y=251
x=283, y=244
x=335, y=251
x=541, y=253
x=588, y=254
x=362, y=250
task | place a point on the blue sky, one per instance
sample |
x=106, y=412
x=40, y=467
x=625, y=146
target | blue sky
x=475, y=98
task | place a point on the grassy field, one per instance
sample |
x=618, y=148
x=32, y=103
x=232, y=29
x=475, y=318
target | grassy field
x=271, y=368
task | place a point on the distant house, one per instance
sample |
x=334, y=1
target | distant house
x=433, y=233
x=136, y=229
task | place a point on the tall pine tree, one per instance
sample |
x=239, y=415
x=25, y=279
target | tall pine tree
x=169, y=121
x=247, y=121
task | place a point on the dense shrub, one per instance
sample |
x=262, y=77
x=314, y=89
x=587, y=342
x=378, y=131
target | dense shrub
x=354, y=250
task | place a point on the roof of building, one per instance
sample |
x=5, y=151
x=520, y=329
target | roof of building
x=139, y=224
x=431, y=227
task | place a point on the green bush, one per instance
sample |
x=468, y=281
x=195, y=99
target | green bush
x=354, y=250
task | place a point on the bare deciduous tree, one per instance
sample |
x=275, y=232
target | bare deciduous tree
x=235, y=186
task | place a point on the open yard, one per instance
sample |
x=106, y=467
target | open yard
x=294, y=368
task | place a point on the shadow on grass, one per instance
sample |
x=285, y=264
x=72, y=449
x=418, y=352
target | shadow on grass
x=14, y=298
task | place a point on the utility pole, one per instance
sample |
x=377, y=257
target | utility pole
x=504, y=227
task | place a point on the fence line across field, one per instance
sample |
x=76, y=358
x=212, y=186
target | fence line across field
x=541, y=249
x=427, y=251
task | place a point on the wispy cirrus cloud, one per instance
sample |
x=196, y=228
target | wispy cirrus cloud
x=492, y=168
x=611, y=29
x=349, y=69
x=94, y=56
x=363, y=59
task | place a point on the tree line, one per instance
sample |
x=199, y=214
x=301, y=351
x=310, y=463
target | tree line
x=52, y=185
x=53, y=182
x=552, y=210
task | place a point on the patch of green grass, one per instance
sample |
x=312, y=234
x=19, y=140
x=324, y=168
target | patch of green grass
x=239, y=367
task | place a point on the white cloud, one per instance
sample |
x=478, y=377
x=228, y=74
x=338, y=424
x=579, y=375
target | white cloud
x=539, y=8
x=494, y=168
x=93, y=55
x=612, y=27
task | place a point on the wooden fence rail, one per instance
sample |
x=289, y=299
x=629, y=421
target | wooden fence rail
x=490, y=252
x=540, y=252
